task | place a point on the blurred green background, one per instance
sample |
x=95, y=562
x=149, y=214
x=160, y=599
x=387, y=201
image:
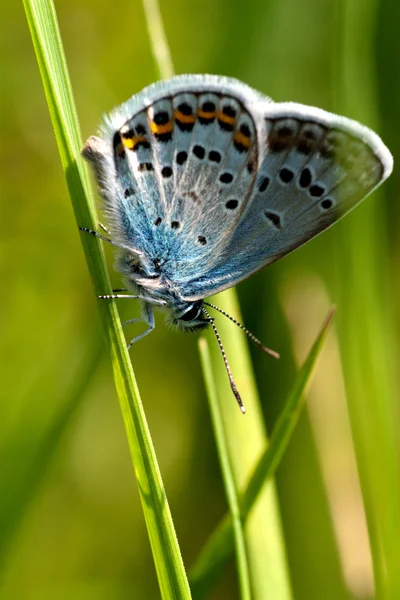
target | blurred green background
x=71, y=524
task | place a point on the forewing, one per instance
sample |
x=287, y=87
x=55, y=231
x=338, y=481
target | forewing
x=314, y=168
x=176, y=170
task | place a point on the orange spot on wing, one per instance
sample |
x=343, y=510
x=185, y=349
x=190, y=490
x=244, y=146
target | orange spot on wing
x=242, y=139
x=159, y=129
x=226, y=118
x=184, y=118
x=205, y=115
x=132, y=142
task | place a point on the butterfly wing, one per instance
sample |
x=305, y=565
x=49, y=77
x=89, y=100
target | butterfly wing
x=176, y=166
x=313, y=168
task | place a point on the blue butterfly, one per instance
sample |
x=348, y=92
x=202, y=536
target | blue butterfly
x=205, y=181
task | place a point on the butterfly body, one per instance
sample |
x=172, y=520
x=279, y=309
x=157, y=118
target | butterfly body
x=206, y=181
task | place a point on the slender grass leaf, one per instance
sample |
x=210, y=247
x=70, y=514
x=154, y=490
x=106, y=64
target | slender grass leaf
x=262, y=538
x=52, y=64
x=227, y=474
x=367, y=323
x=246, y=440
x=220, y=545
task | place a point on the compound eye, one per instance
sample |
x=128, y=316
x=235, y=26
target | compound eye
x=137, y=269
x=191, y=314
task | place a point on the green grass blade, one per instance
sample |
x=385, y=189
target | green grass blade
x=246, y=440
x=286, y=423
x=226, y=467
x=161, y=54
x=263, y=539
x=47, y=43
x=221, y=544
x=367, y=322
x=158, y=39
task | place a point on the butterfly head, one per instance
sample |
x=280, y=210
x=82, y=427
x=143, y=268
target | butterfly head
x=147, y=278
x=187, y=316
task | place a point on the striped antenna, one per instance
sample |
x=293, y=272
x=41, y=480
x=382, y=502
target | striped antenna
x=228, y=369
x=247, y=332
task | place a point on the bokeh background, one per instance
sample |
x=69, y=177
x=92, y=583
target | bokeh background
x=71, y=524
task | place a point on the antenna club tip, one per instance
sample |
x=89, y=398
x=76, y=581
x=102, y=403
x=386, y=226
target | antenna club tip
x=242, y=408
x=269, y=351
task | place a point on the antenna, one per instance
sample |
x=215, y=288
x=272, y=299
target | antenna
x=247, y=332
x=228, y=369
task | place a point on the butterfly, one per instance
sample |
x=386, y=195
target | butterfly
x=206, y=181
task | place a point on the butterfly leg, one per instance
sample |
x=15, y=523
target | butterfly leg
x=108, y=240
x=132, y=297
x=104, y=228
x=98, y=235
x=149, y=318
x=131, y=321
